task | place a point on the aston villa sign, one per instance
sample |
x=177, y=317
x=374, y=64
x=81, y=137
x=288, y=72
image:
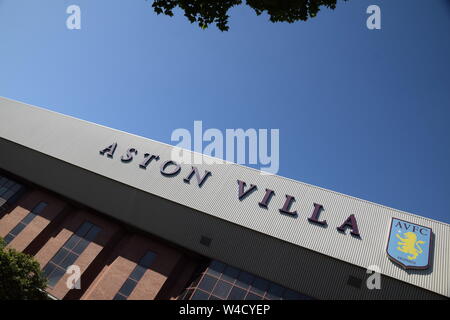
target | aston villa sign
x=170, y=168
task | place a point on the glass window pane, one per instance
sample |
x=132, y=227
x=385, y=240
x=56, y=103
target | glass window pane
x=230, y=274
x=83, y=230
x=207, y=283
x=148, y=259
x=8, y=184
x=92, y=233
x=244, y=280
x=55, y=276
x=138, y=272
x=275, y=292
x=28, y=218
x=17, y=229
x=214, y=298
x=252, y=296
x=200, y=295
x=16, y=187
x=222, y=289
x=73, y=240
x=2, y=190
x=237, y=294
x=79, y=248
x=127, y=287
x=259, y=286
x=9, y=238
x=38, y=209
x=68, y=260
x=48, y=269
x=8, y=194
x=189, y=294
x=119, y=297
x=59, y=256
x=216, y=268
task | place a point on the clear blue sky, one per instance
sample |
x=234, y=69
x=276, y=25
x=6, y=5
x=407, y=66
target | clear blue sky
x=361, y=112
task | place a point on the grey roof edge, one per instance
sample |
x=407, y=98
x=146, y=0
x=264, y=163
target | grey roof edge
x=231, y=163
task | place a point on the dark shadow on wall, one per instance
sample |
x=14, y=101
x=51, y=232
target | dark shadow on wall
x=115, y=246
x=120, y=246
x=106, y=257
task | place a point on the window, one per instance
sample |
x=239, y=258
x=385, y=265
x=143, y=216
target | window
x=136, y=275
x=25, y=221
x=207, y=283
x=237, y=294
x=70, y=251
x=222, y=282
x=8, y=189
x=222, y=289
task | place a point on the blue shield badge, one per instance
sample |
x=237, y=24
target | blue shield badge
x=409, y=244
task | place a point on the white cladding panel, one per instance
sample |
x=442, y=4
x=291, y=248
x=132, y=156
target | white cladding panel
x=78, y=142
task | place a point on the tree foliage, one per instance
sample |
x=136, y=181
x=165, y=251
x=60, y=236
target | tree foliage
x=206, y=12
x=20, y=276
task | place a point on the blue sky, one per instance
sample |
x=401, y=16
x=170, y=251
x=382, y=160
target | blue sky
x=360, y=112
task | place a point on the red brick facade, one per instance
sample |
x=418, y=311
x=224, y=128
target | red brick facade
x=107, y=261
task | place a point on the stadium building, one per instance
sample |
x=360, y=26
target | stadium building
x=139, y=225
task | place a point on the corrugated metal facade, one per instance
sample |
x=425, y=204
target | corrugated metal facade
x=303, y=253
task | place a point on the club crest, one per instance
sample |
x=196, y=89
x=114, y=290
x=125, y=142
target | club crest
x=409, y=244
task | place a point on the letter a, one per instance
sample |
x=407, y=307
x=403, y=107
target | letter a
x=352, y=224
x=74, y=20
x=374, y=281
x=109, y=150
x=374, y=20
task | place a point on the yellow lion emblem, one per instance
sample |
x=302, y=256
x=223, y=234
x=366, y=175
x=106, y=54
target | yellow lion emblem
x=410, y=245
